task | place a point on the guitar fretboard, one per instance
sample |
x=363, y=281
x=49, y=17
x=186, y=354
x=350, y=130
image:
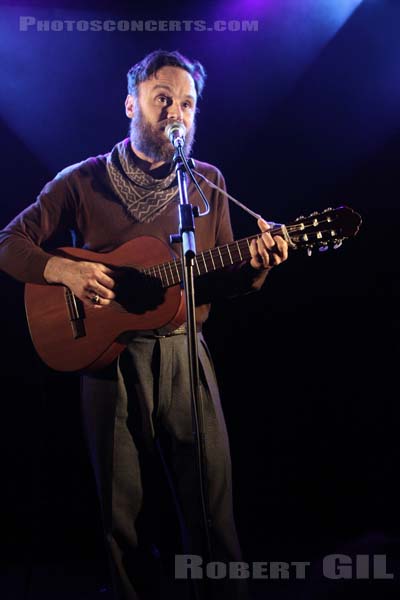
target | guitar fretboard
x=170, y=273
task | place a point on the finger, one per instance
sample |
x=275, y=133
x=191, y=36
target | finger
x=282, y=247
x=105, y=269
x=95, y=288
x=256, y=260
x=253, y=248
x=88, y=301
x=277, y=247
x=104, y=292
x=268, y=239
x=264, y=253
x=96, y=306
x=95, y=300
x=263, y=225
x=105, y=280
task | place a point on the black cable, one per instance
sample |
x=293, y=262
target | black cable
x=192, y=177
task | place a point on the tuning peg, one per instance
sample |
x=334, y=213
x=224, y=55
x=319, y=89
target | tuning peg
x=327, y=209
x=337, y=245
x=309, y=251
x=323, y=248
x=301, y=218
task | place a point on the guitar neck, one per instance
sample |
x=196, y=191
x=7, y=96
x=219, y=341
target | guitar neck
x=170, y=273
x=319, y=230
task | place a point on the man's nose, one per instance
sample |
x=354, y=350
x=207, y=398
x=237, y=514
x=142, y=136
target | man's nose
x=175, y=111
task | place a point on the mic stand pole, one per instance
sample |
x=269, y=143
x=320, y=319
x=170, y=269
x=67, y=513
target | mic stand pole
x=186, y=238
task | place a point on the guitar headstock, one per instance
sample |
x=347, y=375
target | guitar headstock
x=324, y=230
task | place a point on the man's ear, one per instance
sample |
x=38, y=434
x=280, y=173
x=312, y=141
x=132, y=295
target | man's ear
x=129, y=106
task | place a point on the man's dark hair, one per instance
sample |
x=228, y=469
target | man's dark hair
x=154, y=61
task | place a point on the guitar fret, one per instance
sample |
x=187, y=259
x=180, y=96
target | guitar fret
x=245, y=249
x=234, y=253
x=230, y=255
x=170, y=270
x=238, y=248
x=166, y=274
x=177, y=271
x=220, y=257
x=212, y=260
x=204, y=261
x=197, y=266
x=160, y=274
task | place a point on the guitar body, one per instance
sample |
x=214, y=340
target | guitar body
x=101, y=331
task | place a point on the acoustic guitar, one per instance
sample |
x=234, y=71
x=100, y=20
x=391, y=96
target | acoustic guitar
x=70, y=336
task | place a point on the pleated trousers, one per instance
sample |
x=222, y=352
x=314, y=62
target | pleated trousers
x=137, y=421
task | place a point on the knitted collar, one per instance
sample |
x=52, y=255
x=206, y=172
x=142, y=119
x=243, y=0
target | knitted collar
x=144, y=197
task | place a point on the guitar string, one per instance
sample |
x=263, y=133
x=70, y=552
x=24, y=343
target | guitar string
x=244, y=242
x=275, y=231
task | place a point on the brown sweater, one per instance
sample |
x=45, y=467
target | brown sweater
x=81, y=199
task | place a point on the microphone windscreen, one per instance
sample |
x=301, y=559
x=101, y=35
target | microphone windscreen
x=175, y=129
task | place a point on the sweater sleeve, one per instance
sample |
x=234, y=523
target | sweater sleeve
x=234, y=280
x=21, y=254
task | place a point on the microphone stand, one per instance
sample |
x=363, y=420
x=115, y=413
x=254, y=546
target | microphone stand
x=186, y=238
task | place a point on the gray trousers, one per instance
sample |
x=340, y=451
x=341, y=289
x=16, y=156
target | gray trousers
x=138, y=425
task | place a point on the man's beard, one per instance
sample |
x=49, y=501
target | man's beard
x=152, y=141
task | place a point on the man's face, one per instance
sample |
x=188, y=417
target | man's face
x=169, y=95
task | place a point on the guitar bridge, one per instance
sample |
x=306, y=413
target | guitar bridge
x=76, y=314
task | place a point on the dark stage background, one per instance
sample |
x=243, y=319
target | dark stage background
x=300, y=115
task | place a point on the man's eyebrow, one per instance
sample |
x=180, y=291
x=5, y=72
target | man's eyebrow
x=167, y=87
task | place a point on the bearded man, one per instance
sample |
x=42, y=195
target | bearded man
x=137, y=411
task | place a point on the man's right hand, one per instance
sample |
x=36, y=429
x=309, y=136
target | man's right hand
x=85, y=279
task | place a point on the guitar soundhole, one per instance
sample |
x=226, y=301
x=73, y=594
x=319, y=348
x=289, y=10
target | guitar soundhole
x=138, y=292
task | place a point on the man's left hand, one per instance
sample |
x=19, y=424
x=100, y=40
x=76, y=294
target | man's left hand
x=267, y=251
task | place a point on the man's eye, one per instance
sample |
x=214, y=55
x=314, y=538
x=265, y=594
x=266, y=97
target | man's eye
x=162, y=99
x=187, y=105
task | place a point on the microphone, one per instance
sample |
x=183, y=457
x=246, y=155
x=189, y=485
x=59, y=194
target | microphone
x=176, y=132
